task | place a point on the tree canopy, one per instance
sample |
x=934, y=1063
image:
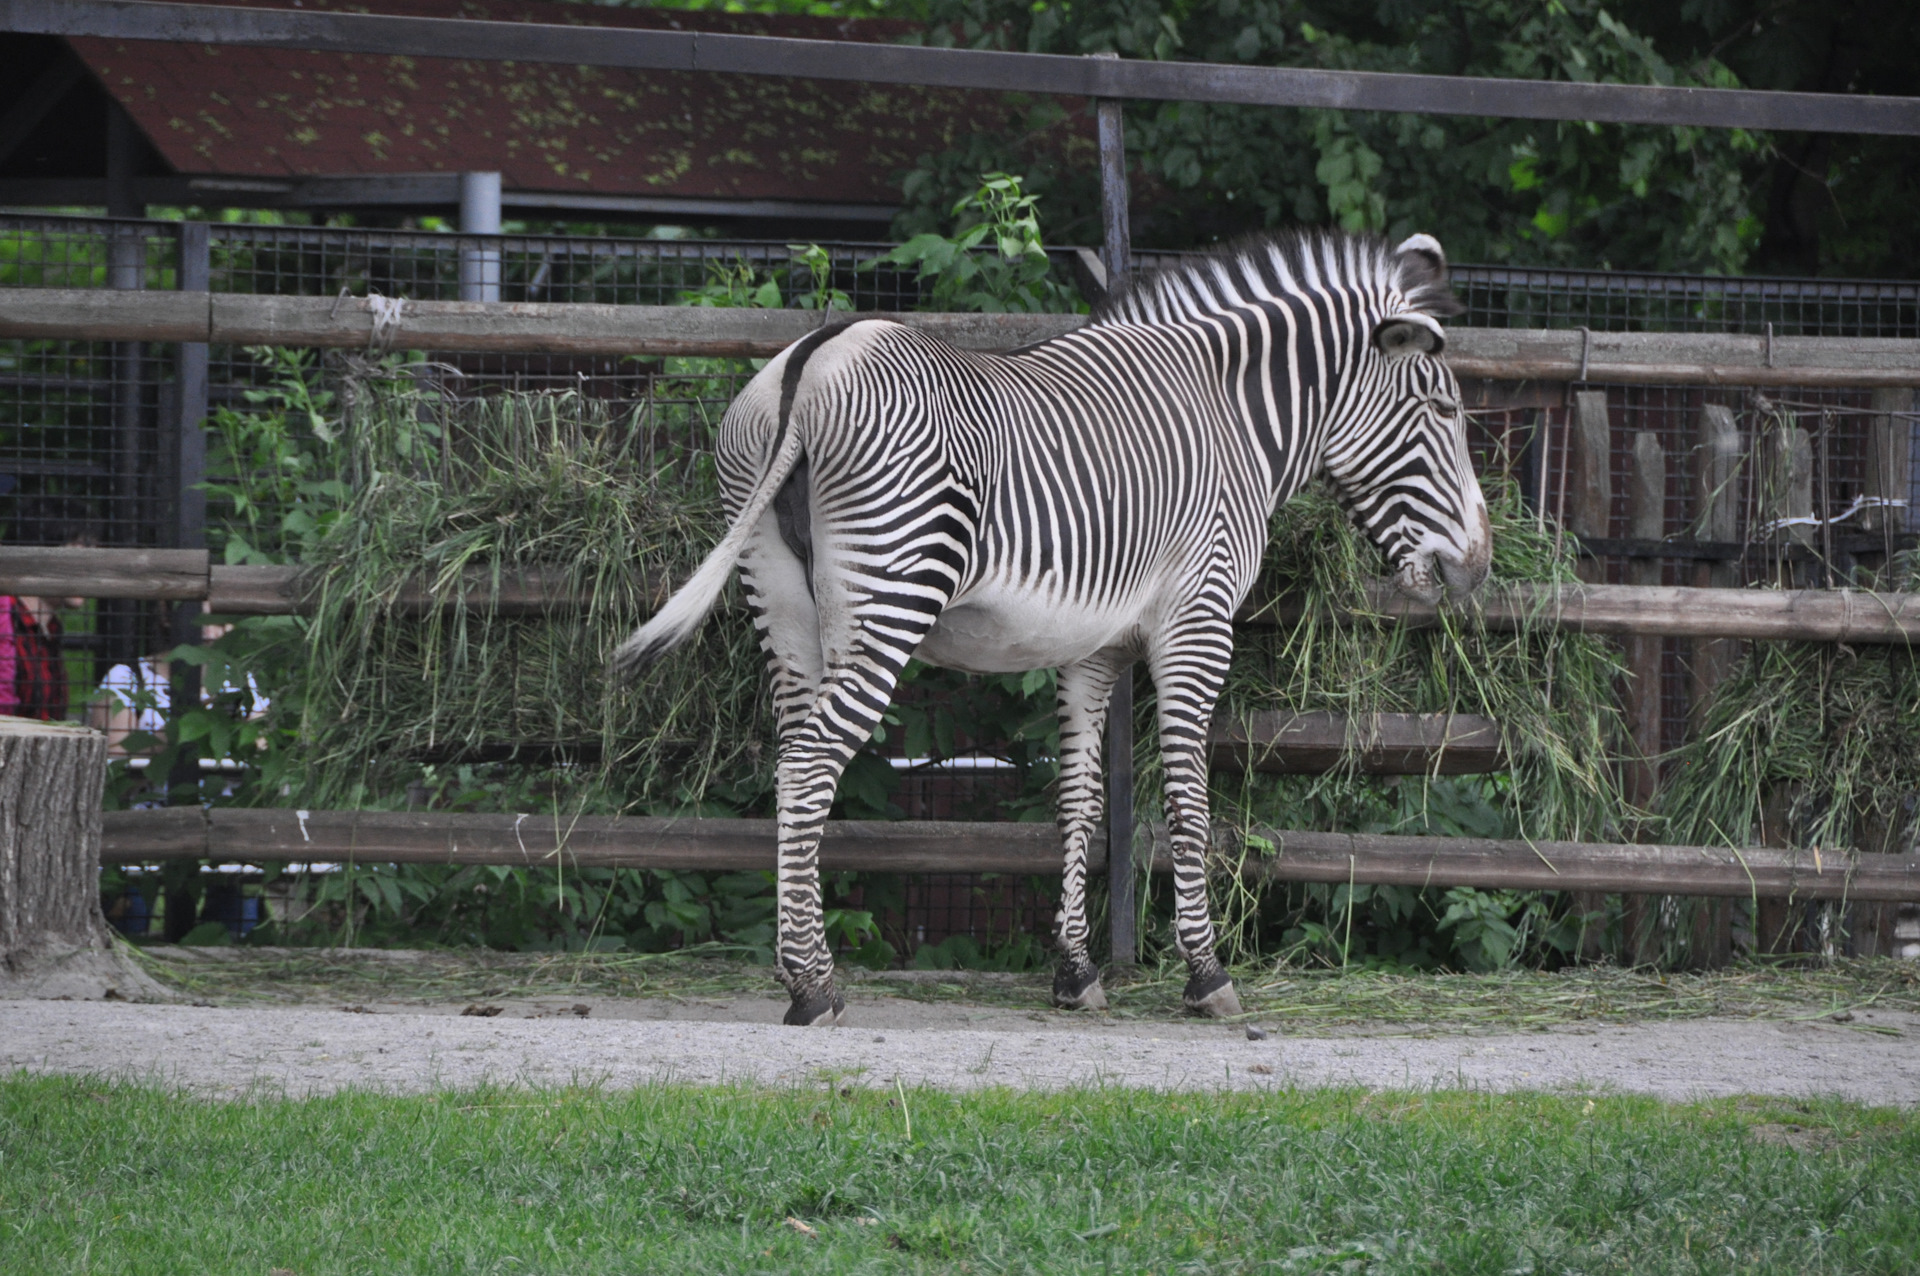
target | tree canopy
x=1535, y=192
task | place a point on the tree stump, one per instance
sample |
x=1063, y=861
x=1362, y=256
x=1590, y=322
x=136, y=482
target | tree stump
x=53, y=940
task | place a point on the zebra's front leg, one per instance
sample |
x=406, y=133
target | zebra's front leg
x=1084, y=689
x=1189, y=668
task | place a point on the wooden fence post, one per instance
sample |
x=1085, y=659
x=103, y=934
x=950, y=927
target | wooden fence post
x=1117, y=257
x=1717, y=477
x=1890, y=461
x=1787, y=493
x=1717, y=480
x=1871, y=927
x=1640, y=915
x=1588, y=513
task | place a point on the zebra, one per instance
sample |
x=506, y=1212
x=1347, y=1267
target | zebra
x=1080, y=504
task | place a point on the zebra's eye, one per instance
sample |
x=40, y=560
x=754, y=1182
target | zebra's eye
x=1445, y=406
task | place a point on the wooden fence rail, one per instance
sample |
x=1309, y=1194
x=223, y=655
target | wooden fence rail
x=412, y=837
x=1809, y=615
x=578, y=328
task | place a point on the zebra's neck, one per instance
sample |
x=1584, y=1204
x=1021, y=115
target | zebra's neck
x=1287, y=316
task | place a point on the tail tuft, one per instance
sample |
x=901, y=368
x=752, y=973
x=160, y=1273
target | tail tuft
x=639, y=653
x=678, y=620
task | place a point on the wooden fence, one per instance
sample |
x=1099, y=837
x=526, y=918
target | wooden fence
x=528, y=327
x=1641, y=611
x=1799, y=615
x=233, y=835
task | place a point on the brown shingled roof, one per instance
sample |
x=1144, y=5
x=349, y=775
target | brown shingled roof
x=280, y=113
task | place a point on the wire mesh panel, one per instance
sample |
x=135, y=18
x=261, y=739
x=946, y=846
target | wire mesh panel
x=87, y=252
x=990, y=909
x=84, y=427
x=425, y=266
x=1620, y=301
x=1644, y=301
x=1530, y=440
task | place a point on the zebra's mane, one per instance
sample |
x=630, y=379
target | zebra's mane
x=1278, y=263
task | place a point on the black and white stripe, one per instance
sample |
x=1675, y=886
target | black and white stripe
x=1080, y=504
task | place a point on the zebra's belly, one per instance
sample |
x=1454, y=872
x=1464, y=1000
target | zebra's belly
x=1014, y=633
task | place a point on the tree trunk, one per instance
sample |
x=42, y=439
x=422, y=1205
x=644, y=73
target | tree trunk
x=53, y=940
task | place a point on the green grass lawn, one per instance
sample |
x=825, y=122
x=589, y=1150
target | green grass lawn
x=108, y=1178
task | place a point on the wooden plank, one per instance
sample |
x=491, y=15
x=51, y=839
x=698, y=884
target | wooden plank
x=65, y=572
x=87, y=314
x=1689, y=358
x=252, y=590
x=1811, y=615
x=1798, y=615
x=166, y=833
x=1286, y=742
x=432, y=837
x=276, y=591
x=1382, y=859
x=862, y=62
x=104, y=314
x=580, y=328
x=413, y=837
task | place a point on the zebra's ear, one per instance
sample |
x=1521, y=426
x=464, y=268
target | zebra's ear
x=1398, y=336
x=1428, y=249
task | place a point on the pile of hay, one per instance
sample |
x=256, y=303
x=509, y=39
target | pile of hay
x=517, y=711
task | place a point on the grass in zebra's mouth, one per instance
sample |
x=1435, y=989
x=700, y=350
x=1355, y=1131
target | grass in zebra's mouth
x=1288, y=999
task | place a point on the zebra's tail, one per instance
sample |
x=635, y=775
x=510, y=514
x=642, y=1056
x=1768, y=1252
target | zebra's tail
x=676, y=622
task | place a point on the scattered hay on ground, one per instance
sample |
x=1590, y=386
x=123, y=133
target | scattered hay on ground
x=1297, y=1001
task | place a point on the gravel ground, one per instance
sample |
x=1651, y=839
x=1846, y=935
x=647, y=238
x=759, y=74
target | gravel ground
x=1873, y=1058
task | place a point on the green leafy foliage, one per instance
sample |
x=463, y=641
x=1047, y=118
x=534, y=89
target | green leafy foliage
x=1492, y=190
x=806, y=281
x=994, y=262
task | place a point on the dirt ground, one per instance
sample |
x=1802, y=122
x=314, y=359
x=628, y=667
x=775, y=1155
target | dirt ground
x=314, y=1040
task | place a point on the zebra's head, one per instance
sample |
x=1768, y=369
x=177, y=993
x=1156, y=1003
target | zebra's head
x=1396, y=446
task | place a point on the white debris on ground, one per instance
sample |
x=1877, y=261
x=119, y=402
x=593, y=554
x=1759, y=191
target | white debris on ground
x=1871, y=1058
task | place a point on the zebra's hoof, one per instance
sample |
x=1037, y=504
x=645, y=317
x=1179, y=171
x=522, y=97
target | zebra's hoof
x=1212, y=997
x=1078, y=990
x=816, y=1012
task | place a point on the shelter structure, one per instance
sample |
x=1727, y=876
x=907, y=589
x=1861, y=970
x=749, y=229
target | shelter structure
x=127, y=124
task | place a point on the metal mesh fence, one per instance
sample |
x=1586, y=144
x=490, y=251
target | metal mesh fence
x=424, y=266
x=1529, y=442
x=1645, y=301
x=89, y=431
x=1617, y=301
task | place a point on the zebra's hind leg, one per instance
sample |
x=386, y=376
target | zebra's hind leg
x=781, y=598
x=853, y=696
x=1084, y=688
x=1189, y=667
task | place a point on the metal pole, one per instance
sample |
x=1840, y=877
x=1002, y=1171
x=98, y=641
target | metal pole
x=186, y=442
x=1117, y=256
x=479, y=215
x=1116, y=238
x=127, y=519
